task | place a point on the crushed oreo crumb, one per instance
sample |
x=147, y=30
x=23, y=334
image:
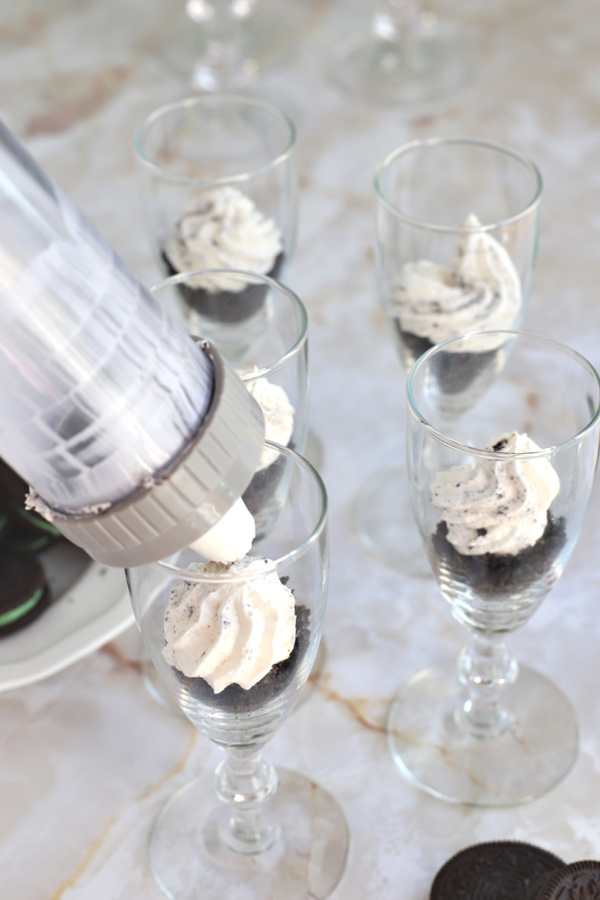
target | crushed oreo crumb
x=496, y=574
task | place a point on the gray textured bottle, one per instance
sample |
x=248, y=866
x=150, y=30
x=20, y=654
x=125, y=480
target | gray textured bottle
x=136, y=439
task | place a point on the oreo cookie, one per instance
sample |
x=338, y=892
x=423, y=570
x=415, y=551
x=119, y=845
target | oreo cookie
x=24, y=592
x=577, y=881
x=23, y=531
x=496, y=870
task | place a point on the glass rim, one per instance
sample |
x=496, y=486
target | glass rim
x=275, y=564
x=270, y=282
x=417, y=144
x=481, y=453
x=212, y=100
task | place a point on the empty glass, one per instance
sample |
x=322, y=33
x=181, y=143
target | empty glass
x=500, y=489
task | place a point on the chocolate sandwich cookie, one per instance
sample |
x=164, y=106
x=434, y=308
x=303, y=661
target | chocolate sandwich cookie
x=24, y=530
x=577, y=881
x=24, y=593
x=4, y=522
x=496, y=870
x=29, y=532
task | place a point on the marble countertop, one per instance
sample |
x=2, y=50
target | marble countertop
x=87, y=757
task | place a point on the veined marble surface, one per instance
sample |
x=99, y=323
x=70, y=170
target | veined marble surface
x=87, y=758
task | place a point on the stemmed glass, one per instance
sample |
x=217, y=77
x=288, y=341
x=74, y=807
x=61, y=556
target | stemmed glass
x=456, y=233
x=220, y=44
x=249, y=830
x=218, y=185
x=500, y=491
x=406, y=57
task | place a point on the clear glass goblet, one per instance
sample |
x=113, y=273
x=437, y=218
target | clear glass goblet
x=248, y=830
x=406, y=57
x=218, y=185
x=456, y=234
x=218, y=45
x=500, y=491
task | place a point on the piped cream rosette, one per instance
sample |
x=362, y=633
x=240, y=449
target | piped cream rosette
x=230, y=631
x=481, y=291
x=497, y=506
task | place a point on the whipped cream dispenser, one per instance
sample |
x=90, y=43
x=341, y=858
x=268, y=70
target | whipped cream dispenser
x=136, y=440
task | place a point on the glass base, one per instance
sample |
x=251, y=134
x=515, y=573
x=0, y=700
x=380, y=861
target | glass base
x=386, y=525
x=307, y=858
x=531, y=755
x=421, y=69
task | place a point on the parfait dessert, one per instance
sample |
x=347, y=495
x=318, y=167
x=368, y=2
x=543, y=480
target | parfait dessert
x=224, y=231
x=497, y=537
x=479, y=291
x=235, y=644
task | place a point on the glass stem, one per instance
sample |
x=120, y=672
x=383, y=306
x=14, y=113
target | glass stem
x=394, y=20
x=486, y=668
x=220, y=61
x=244, y=780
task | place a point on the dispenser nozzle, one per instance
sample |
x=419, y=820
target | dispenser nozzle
x=138, y=440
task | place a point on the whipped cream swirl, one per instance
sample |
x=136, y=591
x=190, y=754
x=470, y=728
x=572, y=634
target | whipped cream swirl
x=481, y=290
x=226, y=231
x=278, y=413
x=230, y=632
x=497, y=506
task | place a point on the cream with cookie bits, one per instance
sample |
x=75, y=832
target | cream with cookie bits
x=230, y=632
x=226, y=231
x=278, y=413
x=497, y=506
x=480, y=291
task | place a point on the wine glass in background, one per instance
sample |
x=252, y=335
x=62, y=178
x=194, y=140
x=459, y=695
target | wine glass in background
x=219, y=185
x=218, y=45
x=406, y=57
x=456, y=234
x=500, y=493
x=247, y=830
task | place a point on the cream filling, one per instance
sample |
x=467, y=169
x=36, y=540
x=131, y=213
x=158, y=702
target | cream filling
x=225, y=231
x=497, y=505
x=480, y=291
x=230, y=632
x=278, y=413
